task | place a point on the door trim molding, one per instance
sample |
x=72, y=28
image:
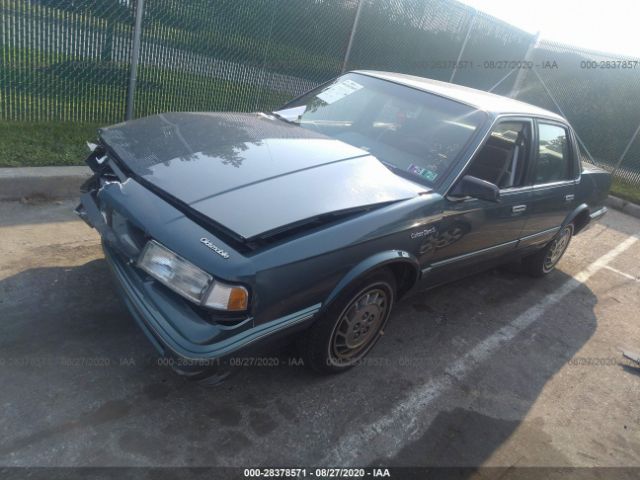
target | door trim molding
x=539, y=234
x=560, y=183
x=466, y=256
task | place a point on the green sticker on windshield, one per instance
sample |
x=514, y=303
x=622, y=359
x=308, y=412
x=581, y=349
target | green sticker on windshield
x=429, y=174
x=423, y=172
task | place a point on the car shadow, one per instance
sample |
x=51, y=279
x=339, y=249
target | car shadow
x=494, y=402
x=74, y=359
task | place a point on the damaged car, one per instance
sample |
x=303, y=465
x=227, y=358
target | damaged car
x=229, y=230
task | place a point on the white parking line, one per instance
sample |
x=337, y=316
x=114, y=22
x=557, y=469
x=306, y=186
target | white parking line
x=390, y=432
x=624, y=274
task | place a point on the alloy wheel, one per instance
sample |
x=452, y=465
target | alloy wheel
x=557, y=249
x=359, y=325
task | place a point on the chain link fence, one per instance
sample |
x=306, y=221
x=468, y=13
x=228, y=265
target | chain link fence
x=599, y=94
x=81, y=61
x=64, y=60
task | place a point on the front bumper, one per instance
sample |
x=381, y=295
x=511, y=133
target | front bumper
x=173, y=325
x=148, y=314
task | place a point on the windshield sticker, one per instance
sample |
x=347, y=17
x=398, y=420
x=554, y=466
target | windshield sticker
x=415, y=169
x=423, y=172
x=429, y=175
x=338, y=91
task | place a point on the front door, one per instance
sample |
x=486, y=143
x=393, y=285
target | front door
x=473, y=230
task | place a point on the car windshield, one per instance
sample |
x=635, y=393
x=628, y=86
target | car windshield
x=416, y=134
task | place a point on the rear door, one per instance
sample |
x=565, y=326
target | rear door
x=553, y=173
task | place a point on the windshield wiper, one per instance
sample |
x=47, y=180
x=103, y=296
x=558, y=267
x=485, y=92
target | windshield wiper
x=283, y=118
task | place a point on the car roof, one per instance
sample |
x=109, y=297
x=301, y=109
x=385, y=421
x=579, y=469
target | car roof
x=479, y=99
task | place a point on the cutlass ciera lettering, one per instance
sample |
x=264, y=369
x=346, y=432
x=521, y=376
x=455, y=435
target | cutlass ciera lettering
x=215, y=248
x=424, y=233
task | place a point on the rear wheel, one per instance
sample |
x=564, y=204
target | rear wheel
x=543, y=262
x=350, y=328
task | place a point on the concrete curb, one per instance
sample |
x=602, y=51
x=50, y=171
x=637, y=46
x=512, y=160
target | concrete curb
x=42, y=182
x=623, y=205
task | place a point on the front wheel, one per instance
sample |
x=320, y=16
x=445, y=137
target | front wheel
x=543, y=262
x=350, y=328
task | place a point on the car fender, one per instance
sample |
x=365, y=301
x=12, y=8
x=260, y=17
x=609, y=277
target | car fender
x=579, y=210
x=370, y=264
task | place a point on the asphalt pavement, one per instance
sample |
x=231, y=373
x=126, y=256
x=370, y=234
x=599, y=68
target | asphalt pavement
x=497, y=369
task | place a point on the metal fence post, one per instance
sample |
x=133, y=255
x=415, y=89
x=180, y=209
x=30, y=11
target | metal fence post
x=354, y=27
x=135, y=57
x=464, y=44
x=626, y=149
x=555, y=102
x=263, y=69
x=517, y=83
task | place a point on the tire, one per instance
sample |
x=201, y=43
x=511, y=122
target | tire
x=544, y=262
x=337, y=341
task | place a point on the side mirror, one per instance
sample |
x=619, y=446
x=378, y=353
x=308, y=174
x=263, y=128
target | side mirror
x=470, y=186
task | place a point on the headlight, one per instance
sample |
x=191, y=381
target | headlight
x=190, y=281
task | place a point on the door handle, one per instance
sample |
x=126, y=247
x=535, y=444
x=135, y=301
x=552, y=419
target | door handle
x=569, y=198
x=518, y=208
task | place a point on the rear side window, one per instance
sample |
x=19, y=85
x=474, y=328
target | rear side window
x=553, y=160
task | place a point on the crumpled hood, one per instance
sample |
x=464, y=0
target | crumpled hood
x=249, y=172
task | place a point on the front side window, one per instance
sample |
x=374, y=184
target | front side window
x=553, y=162
x=416, y=134
x=502, y=160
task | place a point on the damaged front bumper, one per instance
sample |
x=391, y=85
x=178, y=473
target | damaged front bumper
x=188, y=335
x=186, y=357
